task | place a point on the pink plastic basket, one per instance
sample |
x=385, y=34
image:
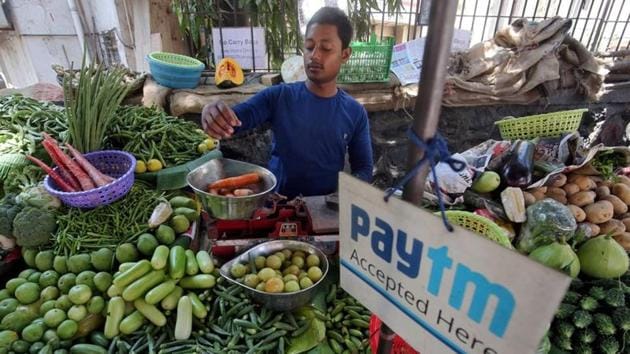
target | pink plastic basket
x=117, y=164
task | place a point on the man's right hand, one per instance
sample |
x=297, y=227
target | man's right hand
x=218, y=120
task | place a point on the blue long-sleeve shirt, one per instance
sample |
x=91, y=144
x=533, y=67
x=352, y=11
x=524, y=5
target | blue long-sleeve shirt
x=311, y=135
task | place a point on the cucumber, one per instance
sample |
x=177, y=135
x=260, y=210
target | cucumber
x=183, y=241
x=199, y=281
x=160, y=257
x=177, y=262
x=183, y=324
x=139, y=287
x=199, y=310
x=190, y=214
x=191, y=263
x=170, y=301
x=206, y=265
x=132, y=322
x=113, y=291
x=115, y=312
x=99, y=338
x=161, y=291
x=126, y=266
x=87, y=349
x=151, y=312
x=137, y=271
x=182, y=202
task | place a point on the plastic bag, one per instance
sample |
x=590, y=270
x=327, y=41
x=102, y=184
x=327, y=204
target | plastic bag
x=547, y=221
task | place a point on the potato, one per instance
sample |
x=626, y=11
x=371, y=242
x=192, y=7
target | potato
x=626, y=221
x=619, y=206
x=558, y=180
x=578, y=213
x=622, y=191
x=582, y=198
x=558, y=194
x=571, y=189
x=539, y=193
x=597, y=179
x=594, y=228
x=529, y=198
x=624, y=240
x=624, y=179
x=585, y=183
x=612, y=227
x=602, y=191
x=599, y=212
x=623, y=216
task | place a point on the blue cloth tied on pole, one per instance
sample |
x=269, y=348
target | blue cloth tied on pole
x=435, y=150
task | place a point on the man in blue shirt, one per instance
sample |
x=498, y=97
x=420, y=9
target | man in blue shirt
x=314, y=123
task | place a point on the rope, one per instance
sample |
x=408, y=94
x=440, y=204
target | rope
x=435, y=150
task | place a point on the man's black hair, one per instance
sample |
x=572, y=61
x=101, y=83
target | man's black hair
x=334, y=16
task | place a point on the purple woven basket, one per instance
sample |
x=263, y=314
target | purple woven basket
x=117, y=164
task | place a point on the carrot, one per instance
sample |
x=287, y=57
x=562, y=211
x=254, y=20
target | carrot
x=97, y=176
x=236, y=182
x=63, y=161
x=54, y=175
x=69, y=178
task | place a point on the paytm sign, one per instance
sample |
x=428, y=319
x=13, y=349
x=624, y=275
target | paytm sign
x=441, y=291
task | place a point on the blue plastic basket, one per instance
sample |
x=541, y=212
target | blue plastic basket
x=175, y=70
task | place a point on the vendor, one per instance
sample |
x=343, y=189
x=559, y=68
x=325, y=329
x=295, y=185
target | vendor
x=314, y=123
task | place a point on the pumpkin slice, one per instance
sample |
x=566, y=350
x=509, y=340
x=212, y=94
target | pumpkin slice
x=228, y=73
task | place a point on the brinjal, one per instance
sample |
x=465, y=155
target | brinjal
x=518, y=171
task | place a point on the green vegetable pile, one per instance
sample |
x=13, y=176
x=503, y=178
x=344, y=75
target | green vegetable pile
x=149, y=133
x=106, y=226
x=594, y=317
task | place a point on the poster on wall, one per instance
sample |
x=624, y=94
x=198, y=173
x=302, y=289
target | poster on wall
x=244, y=44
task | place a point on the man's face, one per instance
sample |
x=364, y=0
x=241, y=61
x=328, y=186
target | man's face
x=323, y=54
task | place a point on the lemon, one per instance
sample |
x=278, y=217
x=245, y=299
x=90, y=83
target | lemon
x=141, y=167
x=154, y=165
x=210, y=143
x=202, y=148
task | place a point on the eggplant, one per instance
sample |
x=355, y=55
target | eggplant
x=518, y=170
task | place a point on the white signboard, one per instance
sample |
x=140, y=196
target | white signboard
x=441, y=292
x=237, y=44
x=407, y=57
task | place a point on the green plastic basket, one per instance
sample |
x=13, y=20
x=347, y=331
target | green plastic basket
x=369, y=61
x=541, y=125
x=175, y=59
x=480, y=225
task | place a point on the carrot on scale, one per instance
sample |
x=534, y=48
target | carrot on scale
x=236, y=182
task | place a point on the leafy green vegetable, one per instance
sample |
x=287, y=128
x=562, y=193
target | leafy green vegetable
x=606, y=162
x=312, y=336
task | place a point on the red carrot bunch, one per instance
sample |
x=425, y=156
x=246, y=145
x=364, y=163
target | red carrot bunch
x=72, y=175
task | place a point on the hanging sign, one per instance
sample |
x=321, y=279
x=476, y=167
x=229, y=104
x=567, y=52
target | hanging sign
x=244, y=44
x=441, y=291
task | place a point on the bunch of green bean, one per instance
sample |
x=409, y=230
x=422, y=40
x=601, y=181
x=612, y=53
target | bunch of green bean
x=92, y=105
x=81, y=231
x=24, y=119
x=149, y=133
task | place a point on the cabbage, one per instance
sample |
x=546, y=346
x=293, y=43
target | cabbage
x=558, y=256
x=37, y=197
x=602, y=257
x=547, y=221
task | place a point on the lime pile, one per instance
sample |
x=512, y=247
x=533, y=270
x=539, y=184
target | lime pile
x=284, y=271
